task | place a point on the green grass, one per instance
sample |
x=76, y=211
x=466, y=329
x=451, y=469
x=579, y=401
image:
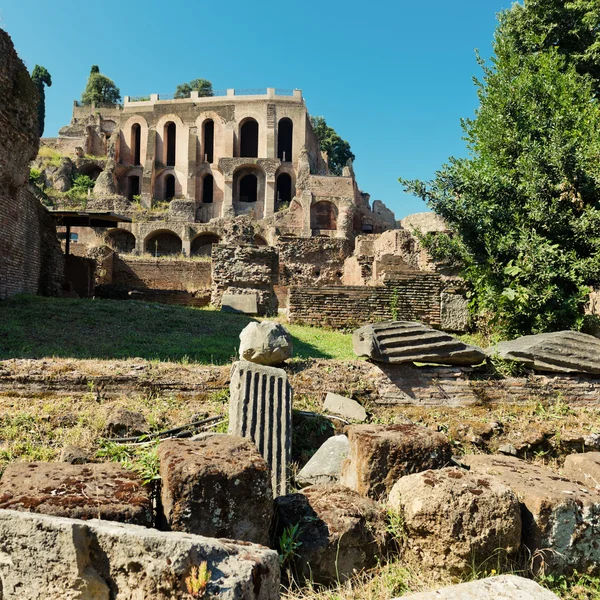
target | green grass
x=37, y=327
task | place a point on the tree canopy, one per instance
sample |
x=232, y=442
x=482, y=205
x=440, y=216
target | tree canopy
x=100, y=89
x=202, y=86
x=338, y=150
x=524, y=206
x=41, y=78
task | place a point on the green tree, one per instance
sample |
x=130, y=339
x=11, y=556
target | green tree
x=338, y=150
x=524, y=205
x=202, y=86
x=100, y=89
x=41, y=78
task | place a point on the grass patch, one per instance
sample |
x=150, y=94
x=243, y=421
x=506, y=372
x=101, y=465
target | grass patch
x=37, y=327
x=51, y=155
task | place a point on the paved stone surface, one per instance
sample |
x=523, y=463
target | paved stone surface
x=106, y=491
x=340, y=532
x=53, y=558
x=561, y=519
x=381, y=454
x=325, y=466
x=560, y=351
x=260, y=408
x=584, y=468
x=407, y=341
x=503, y=587
x=265, y=343
x=345, y=407
x=242, y=303
x=455, y=519
x=219, y=487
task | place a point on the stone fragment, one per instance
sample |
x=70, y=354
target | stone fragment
x=125, y=423
x=560, y=351
x=344, y=407
x=584, y=468
x=454, y=519
x=240, y=303
x=340, y=532
x=219, y=487
x=260, y=408
x=407, y=341
x=454, y=312
x=105, y=490
x=325, y=466
x=381, y=454
x=560, y=518
x=265, y=343
x=53, y=558
x=74, y=455
x=502, y=587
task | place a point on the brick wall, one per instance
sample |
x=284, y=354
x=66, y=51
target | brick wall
x=162, y=274
x=416, y=296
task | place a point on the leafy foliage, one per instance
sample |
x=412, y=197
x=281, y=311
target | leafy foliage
x=41, y=78
x=100, y=89
x=338, y=150
x=524, y=205
x=202, y=86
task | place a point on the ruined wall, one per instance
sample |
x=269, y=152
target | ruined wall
x=29, y=253
x=411, y=297
x=162, y=274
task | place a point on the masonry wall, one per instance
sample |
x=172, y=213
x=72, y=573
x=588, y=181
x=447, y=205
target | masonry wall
x=29, y=253
x=414, y=296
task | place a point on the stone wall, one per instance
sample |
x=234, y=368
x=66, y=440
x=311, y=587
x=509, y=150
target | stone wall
x=412, y=297
x=30, y=259
x=162, y=274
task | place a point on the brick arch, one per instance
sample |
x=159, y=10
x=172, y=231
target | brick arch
x=120, y=240
x=203, y=242
x=169, y=242
x=127, y=143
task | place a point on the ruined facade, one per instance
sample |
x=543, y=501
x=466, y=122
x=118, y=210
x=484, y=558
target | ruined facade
x=30, y=258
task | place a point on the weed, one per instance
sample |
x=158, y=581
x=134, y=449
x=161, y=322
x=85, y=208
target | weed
x=197, y=580
x=394, y=304
x=289, y=543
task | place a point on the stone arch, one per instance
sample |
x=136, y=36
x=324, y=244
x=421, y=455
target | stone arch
x=240, y=192
x=285, y=137
x=207, y=189
x=170, y=143
x=162, y=141
x=91, y=169
x=120, y=240
x=169, y=183
x=259, y=240
x=323, y=215
x=128, y=142
x=208, y=141
x=203, y=242
x=162, y=242
x=248, y=138
x=284, y=188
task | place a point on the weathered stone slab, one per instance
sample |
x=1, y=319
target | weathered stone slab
x=455, y=519
x=584, y=468
x=454, y=312
x=106, y=491
x=560, y=518
x=560, y=351
x=381, y=454
x=265, y=343
x=219, y=486
x=340, y=532
x=325, y=466
x=502, y=587
x=407, y=341
x=53, y=558
x=260, y=408
x=344, y=407
x=241, y=303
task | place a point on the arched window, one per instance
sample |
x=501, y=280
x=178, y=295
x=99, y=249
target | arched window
x=284, y=188
x=170, y=142
x=136, y=143
x=248, y=188
x=207, y=189
x=208, y=144
x=169, y=187
x=285, y=132
x=249, y=139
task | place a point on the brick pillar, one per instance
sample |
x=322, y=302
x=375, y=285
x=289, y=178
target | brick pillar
x=228, y=210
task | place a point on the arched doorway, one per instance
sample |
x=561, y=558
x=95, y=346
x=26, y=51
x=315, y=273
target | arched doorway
x=284, y=189
x=285, y=132
x=202, y=245
x=323, y=215
x=169, y=187
x=208, y=189
x=120, y=240
x=136, y=143
x=248, y=188
x=249, y=139
x=208, y=143
x=170, y=143
x=163, y=243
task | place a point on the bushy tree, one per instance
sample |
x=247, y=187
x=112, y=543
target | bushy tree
x=338, y=150
x=202, y=86
x=41, y=78
x=100, y=89
x=524, y=205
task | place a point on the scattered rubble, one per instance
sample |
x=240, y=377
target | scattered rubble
x=325, y=466
x=265, y=343
x=345, y=407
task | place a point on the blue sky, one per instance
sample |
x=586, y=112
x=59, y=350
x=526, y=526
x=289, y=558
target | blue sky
x=393, y=78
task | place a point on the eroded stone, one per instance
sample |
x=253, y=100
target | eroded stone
x=325, y=466
x=265, y=343
x=584, y=468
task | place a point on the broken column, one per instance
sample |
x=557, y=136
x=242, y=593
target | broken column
x=261, y=409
